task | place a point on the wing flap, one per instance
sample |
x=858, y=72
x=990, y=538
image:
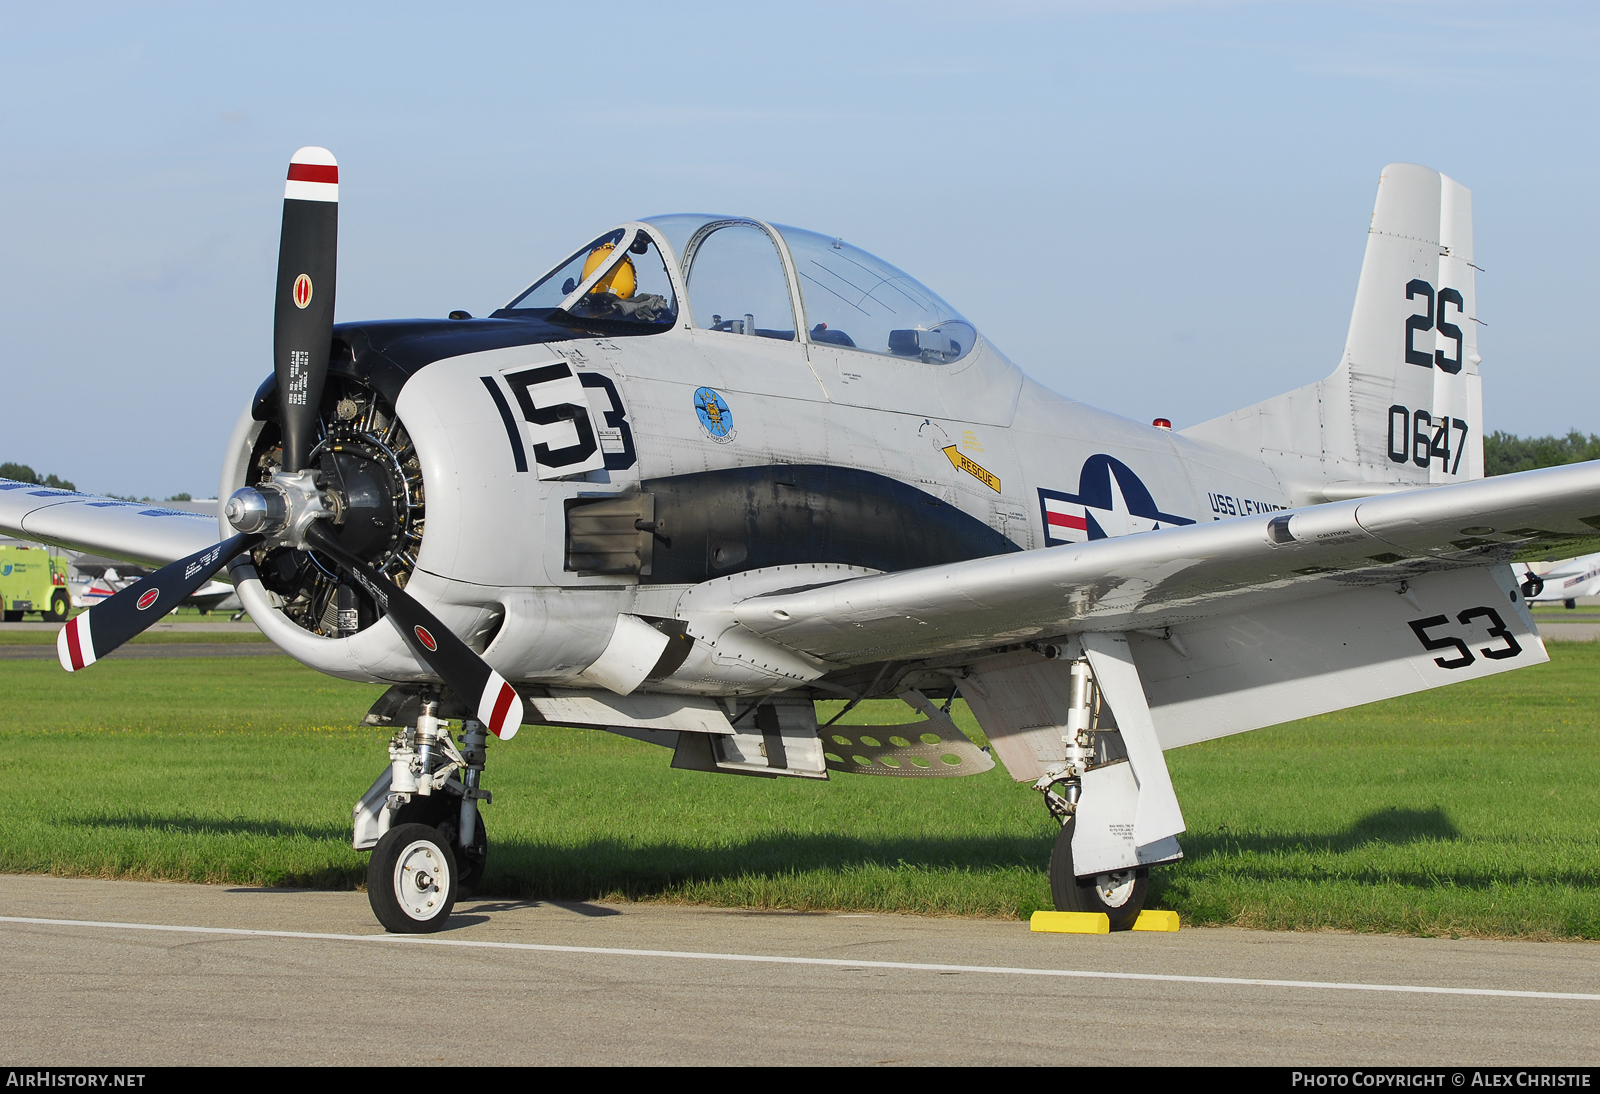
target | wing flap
x=149, y=535
x=1241, y=671
x=1173, y=575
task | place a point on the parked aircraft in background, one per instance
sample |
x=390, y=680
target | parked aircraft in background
x=97, y=579
x=1564, y=582
x=708, y=470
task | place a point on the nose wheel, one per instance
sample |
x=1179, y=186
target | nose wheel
x=412, y=880
x=442, y=812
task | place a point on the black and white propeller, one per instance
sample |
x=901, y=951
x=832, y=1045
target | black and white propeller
x=290, y=510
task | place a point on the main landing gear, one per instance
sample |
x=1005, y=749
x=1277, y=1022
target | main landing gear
x=421, y=820
x=1120, y=894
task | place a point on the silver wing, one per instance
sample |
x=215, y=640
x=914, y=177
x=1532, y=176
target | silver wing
x=149, y=535
x=1233, y=625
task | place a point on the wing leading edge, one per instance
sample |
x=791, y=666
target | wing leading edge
x=149, y=535
x=1174, y=575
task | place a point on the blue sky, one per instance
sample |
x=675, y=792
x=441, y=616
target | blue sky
x=1158, y=208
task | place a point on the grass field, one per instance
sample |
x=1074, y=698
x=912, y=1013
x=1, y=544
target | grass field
x=48, y=638
x=1469, y=810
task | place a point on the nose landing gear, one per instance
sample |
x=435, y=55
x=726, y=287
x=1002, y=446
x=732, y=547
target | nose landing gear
x=421, y=820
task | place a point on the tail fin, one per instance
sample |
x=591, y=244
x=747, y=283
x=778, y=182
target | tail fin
x=1405, y=406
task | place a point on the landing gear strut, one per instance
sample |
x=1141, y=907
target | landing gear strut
x=421, y=820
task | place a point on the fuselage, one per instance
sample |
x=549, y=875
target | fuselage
x=756, y=451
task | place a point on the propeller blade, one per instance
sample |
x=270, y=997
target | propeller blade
x=302, y=328
x=91, y=635
x=497, y=703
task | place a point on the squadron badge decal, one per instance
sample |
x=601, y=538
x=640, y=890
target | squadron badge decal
x=716, y=420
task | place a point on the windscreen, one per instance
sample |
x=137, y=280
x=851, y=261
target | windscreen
x=636, y=291
x=858, y=301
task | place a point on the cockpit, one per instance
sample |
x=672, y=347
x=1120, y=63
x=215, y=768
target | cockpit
x=743, y=277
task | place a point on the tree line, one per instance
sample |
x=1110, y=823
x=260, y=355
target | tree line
x=21, y=472
x=1504, y=453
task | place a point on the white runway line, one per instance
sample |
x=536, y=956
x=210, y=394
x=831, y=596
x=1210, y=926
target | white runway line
x=829, y=962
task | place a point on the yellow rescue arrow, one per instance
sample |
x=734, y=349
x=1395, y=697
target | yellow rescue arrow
x=964, y=463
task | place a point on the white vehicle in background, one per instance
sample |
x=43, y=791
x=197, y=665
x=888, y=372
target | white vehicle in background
x=1564, y=582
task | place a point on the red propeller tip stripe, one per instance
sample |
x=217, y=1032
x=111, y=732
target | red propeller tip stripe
x=313, y=176
x=313, y=172
x=75, y=644
x=503, y=715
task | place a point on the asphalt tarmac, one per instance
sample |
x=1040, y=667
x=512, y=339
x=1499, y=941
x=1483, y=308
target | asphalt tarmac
x=129, y=973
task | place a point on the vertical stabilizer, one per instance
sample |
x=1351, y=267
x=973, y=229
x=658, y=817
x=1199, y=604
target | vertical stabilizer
x=1405, y=406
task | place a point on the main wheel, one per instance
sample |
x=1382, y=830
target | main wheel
x=412, y=880
x=443, y=812
x=1119, y=895
x=13, y=617
x=60, y=605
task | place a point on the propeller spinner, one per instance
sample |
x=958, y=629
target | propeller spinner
x=291, y=510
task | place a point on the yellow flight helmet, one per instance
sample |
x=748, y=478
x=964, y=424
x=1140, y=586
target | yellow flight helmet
x=620, y=282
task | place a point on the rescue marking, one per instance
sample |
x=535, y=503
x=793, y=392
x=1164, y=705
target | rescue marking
x=962, y=462
x=825, y=962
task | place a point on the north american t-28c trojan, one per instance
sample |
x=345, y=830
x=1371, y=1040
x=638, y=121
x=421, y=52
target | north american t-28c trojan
x=710, y=470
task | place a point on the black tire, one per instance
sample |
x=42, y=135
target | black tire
x=443, y=812
x=1570, y=605
x=1120, y=896
x=403, y=880
x=60, y=605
